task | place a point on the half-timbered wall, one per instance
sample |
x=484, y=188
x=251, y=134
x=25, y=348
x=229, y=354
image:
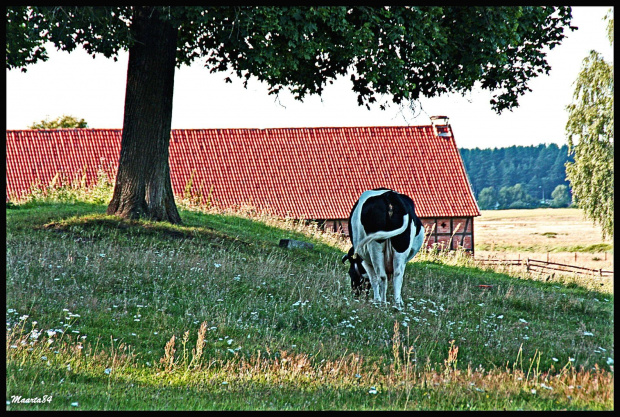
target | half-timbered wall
x=450, y=232
x=446, y=232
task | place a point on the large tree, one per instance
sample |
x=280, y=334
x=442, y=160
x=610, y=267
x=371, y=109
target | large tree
x=392, y=54
x=590, y=132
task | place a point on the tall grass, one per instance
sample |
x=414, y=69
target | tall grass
x=62, y=189
x=105, y=313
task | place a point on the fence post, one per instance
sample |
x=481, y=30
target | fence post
x=527, y=264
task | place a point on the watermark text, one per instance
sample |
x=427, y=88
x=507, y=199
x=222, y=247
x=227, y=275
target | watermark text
x=18, y=399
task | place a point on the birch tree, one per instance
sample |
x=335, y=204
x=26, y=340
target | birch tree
x=590, y=133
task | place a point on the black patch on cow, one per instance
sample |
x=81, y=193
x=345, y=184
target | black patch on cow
x=409, y=204
x=385, y=212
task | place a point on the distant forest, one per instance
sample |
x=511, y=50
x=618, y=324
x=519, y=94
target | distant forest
x=519, y=176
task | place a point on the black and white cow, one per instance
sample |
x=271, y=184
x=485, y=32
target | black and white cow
x=386, y=234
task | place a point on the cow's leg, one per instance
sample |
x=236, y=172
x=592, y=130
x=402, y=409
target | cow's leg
x=400, y=261
x=372, y=277
x=379, y=283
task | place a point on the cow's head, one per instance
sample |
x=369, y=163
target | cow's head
x=357, y=272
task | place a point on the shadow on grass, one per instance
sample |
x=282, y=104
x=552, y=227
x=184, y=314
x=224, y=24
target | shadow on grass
x=102, y=225
x=88, y=222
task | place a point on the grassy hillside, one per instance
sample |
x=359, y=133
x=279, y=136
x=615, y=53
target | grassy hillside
x=109, y=314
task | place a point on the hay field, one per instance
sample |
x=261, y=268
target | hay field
x=557, y=235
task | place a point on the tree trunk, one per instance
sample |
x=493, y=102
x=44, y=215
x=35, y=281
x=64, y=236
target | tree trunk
x=143, y=188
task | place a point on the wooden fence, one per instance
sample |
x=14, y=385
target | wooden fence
x=542, y=266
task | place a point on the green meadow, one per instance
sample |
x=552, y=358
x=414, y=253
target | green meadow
x=111, y=314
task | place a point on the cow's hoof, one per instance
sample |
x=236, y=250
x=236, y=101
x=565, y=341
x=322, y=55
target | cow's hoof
x=398, y=307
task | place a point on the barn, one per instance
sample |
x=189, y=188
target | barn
x=304, y=173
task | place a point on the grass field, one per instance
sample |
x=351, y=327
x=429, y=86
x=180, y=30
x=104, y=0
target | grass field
x=558, y=235
x=110, y=314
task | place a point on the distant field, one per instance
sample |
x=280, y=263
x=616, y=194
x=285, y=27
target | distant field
x=559, y=235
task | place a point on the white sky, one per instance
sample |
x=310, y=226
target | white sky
x=94, y=89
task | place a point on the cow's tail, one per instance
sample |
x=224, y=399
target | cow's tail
x=361, y=246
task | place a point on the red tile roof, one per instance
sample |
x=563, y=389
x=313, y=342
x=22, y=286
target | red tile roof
x=313, y=173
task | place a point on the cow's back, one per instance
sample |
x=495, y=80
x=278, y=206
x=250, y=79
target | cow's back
x=382, y=209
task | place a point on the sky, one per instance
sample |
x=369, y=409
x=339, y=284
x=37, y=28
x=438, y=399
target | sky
x=94, y=89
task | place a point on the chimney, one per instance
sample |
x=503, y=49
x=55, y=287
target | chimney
x=441, y=126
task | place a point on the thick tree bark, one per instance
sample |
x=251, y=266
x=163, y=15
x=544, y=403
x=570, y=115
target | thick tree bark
x=143, y=188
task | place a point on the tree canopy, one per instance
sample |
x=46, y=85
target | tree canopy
x=399, y=52
x=590, y=133
x=396, y=54
x=61, y=122
x=539, y=169
x=560, y=196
